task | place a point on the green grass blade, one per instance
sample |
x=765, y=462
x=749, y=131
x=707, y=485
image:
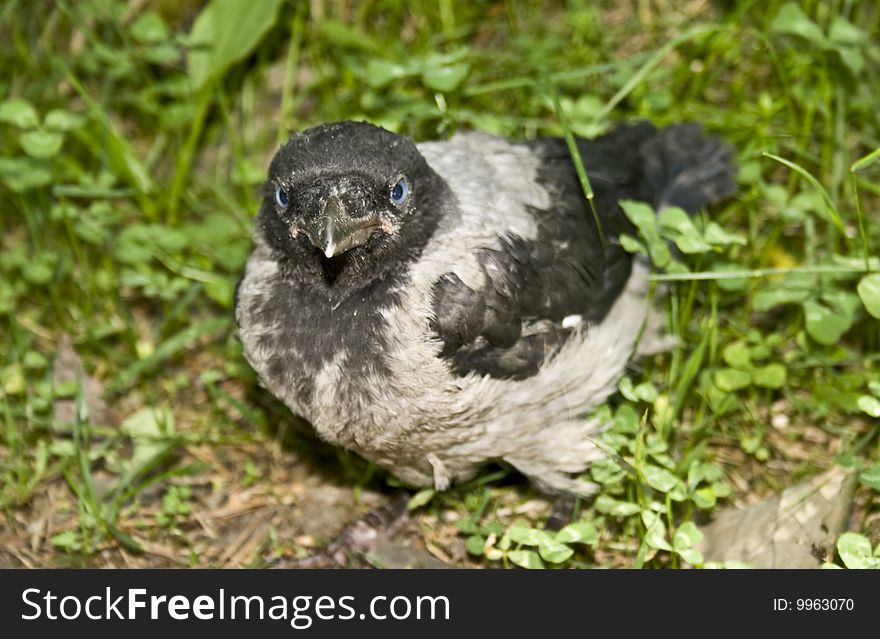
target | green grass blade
x=832, y=209
x=583, y=178
x=862, y=164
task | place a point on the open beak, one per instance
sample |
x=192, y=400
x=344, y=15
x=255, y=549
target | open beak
x=334, y=231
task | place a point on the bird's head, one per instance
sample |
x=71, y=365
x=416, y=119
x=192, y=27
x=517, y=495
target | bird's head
x=348, y=201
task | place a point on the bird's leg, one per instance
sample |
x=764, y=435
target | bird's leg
x=561, y=512
x=357, y=539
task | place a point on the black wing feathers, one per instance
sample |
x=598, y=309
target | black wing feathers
x=513, y=324
x=684, y=168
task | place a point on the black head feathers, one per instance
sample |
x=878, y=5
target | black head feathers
x=346, y=203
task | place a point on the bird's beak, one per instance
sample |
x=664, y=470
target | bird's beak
x=334, y=231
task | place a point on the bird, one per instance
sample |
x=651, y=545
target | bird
x=443, y=305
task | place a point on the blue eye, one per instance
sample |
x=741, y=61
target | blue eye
x=281, y=197
x=399, y=192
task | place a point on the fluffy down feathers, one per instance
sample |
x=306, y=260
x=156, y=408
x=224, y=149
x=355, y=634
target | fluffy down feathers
x=477, y=320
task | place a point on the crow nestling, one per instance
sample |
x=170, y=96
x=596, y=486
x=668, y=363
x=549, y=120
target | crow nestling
x=441, y=305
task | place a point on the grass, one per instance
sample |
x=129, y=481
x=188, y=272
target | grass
x=133, y=139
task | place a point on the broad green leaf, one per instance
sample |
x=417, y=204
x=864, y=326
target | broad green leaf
x=527, y=536
x=717, y=236
x=625, y=386
x=468, y=526
x=731, y=284
x=846, y=303
x=749, y=173
x=62, y=120
x=730, y=379
x=38, y=272
x=583, y=532
x=12, y=379
x=582, y=115
x=776, y=194
x=225, y=32
x=770, y=376
x=164, y=53
x=659, y=478
x=130, y=251
x=424, y=496
x=138, y=242
x=554, y=551
x=737, y=355
x=221, y=291
x=20, y=113
x=681, y=229
x=869, y=292
x=67, y=540
x=381, y=72
x=659, y=250
x=705, y=498
x=475, y=544
x=686, y=536
x=855, y=551
x=753, y=444
x=852, y=59
x=606, y=471
x=149, y=28
x=655, y=534
x=631, y=245
x=62, y=448
x=610, y=506
x=700, y=471
x=871, y=476
x=34, y=361
x=870, y=405
x=824, y=325
x=150, y=430
x=721, y=402
x=807, y=201
x=345, y=36
x=770, y=297
x=445, y=78
x=40, y=143
x=791, y=20
x=626, y=419
x=761, y=352
x=679, y=492
x=845, y=32
x=24, y=174
x=526, y=559
x=646, y=392
x=641, y=215
x=720, y=489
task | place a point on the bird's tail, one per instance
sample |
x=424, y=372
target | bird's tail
x=685, y=168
